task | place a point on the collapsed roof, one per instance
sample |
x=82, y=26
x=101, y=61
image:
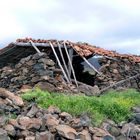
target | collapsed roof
x=83, y=49
x=114, y=67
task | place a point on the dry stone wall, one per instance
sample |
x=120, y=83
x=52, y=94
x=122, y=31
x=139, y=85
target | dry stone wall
x=115, y=70
x=35, y=70
x=39, y=70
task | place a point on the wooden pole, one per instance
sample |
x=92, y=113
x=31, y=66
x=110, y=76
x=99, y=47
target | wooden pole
x=71, y=65
x=59, y=63
x=120, y=82
x=63, y=60
x=32, y=43
x=71, y=58
x=91, y=65
x=28, y=44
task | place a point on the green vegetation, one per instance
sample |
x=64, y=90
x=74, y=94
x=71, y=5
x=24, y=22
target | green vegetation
x=114, y=105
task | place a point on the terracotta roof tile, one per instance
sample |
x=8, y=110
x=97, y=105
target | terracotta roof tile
x=84, y=49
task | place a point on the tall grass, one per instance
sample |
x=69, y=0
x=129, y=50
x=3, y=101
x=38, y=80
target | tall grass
x=113, y=105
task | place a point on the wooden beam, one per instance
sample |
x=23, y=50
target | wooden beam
x=70, y=64
x=71, y=58
x=59, y=63
x=21, y=44
x=32, y=43
x=91, y=65
x=120, y=82
x=63, y=60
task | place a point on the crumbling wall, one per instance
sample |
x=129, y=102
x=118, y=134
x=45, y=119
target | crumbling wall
x=38, y=70
x=114, y=70
x=34, y=70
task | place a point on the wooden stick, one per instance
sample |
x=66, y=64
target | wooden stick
x=71, y=58
x=83, y=84
x=56, y=56
x=120, y=82
x=71, y=65
x=22, y=44
x=32, y=43
x=61, y=54
x=91, y=65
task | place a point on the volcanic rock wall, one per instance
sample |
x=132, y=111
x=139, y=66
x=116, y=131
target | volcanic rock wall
x=34, y=70
x=114, y=70
x=39, y=70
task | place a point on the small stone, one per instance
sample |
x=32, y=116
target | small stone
x=34, y=109
x=38, y=56
x=51, y=122
x=114, y=131
x=45, y=86
x=25, y=133
x=48, y=62
x=130, y=130
x=10, y=130
x=15, y=99
x=13, y=122
x=111, y=127
x=115, y=71
x=44, y=136
x=30, y=138
x=53, y=110
x=137, y=118
x=84, y=135
x=66, y=132
x=79, y=123
x=25, y=88
x=98, y=133
x=96, y=91
x=122, y=137
x=30, y=63
x=76, y=124
x=66, y=116
x=45, y=77
x=30, y=123
x=108, y=137
x=136, y=109
x=138, y=137
x=85, y=120
x=39, y=66
x=25, y=121
x=35, y=79
x=3, y=120
x=3, y=135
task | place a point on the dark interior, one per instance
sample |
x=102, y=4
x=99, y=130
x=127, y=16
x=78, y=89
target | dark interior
x=82, y=71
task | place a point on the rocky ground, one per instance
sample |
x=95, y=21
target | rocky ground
x=24, y=121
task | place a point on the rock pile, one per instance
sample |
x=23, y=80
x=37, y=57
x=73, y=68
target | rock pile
x=35, y=70
x=22, y=121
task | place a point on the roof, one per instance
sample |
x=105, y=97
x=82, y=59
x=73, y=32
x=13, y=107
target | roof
x=82, y=49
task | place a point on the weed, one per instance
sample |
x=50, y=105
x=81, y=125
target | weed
x=113, y=105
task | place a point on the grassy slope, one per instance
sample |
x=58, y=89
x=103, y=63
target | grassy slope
x=114, y=105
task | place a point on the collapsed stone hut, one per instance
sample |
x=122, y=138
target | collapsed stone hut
x=84, y=65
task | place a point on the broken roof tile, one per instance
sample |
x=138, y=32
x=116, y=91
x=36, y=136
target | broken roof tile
x=82, y=49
